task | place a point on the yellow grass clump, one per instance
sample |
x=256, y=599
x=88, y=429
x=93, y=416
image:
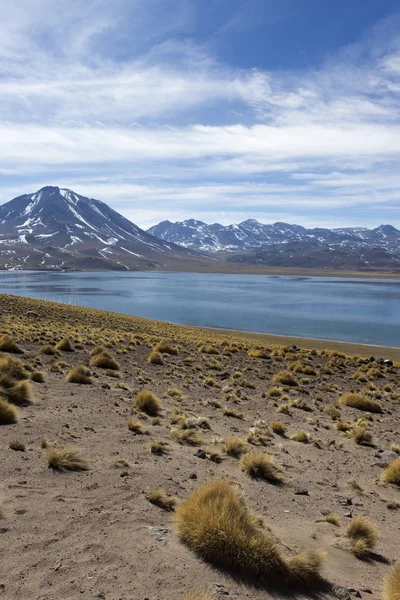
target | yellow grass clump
x=285, y=378
x=300, y=436
x=364, y=535
x=79, y=374
x=148, y=403
x=135, y=425
x=278, y=428
x=392, y=473
x=66, y=459
x=65, y=345
x=7, y=344
x=48, y=350
x=17, y=446
x=165, y=348
x=215, y=523
x=235, y=447
x=256, y=353
x=162, y=500
x=155, y=358
x=8, y=413
x=391, y=586
x=104, y=360
x=188, y=437
x=13, y=367
x=261, y=466
x=38, y=376
x=14, y=391
x=362, y=436
x=360, y=402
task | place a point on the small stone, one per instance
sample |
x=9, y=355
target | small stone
x=341, y=592
x=301, y=492
x=200, y=453
x=348, y=515
x=366, y=590
x=100, y=595
x=2, y=588
x=124, y=474
x=193, y=476
x=355, y=593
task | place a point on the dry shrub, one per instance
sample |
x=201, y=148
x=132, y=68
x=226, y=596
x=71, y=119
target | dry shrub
x=235, y=447
x=66, y=459
x=148, y=403
x=215, y=523
x=362, y=436
x=278, y=428
x=208, y=349
x=256, y=353
x=261, y=466
x=16, y=392
x=65, y=345
x=13, y=367
x=162, y=500
x=134, y=425
x=274, y=392
x=360, y=402
x=155, y=358
x=7, y=344
x=17, y=446
x=188, y=437
x=159, y=448
x=38, y=376
x=97, y=350
x=104, y=360
x=331, y=519
x=285, y=378
x=332, y=412
x=300, y=436
x=392, y=473
x=391, y=586
x=231, y=412
x=79, y=374
x=49, y=350
x=8, y=413
x=364, y=535
x=165, y=348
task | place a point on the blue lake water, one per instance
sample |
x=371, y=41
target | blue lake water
x=353, y=310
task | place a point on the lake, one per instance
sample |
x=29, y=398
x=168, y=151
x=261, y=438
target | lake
x=352, y=310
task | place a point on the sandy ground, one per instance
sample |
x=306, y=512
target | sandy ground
x=95, y=534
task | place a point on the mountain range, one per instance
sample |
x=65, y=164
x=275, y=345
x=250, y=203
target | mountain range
x=55, y=228
x=281, y=244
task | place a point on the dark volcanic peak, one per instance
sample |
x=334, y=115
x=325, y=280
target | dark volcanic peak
x=56, y=227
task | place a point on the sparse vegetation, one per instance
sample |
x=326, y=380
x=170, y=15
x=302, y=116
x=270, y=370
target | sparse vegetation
x=17, y=446
x=300, y=436
x=235, y=447
x=261, y=466
x=8, y=413
x=364, y=535
x=79, y=374
x=285, y=378
x=66, y=459
x=392, y=473
x=360, y=402
x=148, y=403
x=391, y=586
x=162, y=500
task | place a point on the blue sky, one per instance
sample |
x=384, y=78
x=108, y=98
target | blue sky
x=220, y=110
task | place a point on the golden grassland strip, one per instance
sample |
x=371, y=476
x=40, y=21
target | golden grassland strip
x=70, y=315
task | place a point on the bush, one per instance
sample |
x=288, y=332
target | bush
x=285, y=378
x=155, y=358
x=255, y=353
x=188, y=437
x=148, y=403
x=300, y=436
x=7, y=344
x=261, y=466
x=235, y=447
x=49, y=350
x=165, y=348
x=8, y=413
x=360, y=402
x=391, y=587
x=65, y=345
x=66, y=459
x=13, y=367
x=392, y=473
x=208, y=349
x=162, y=500
x=79, y=374
x=364, y=535
x=38, y=376
x=362, y=436
x=215, y=523
x=16, y=392
x=278, y=428
x=104, y=360
x=17, y=446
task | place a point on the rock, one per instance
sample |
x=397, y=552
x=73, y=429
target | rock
x=159, y=533
x=193, y=476
x=100, y=595
x=2, y=588
x=341, y=592
x=355, y=593
x=388, y=363
x=124, y=474
x=366, y=590
x=301, y=492
x=388, y=456
x=348, y=515
x=371, y=359
x=200, y=453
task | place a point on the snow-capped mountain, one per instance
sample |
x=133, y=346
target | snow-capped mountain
x=57, y=228
x=251, y=234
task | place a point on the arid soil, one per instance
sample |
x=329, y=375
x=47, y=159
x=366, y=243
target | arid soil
x=94, y=533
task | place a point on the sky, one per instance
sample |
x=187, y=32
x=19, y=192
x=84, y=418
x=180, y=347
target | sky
x=219, y=110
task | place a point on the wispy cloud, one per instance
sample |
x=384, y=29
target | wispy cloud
x=115, y=100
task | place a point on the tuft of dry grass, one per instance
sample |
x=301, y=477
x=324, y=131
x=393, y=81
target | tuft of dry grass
x=278, y=428
x=188, y=437
x=331, y=519
x=208, y=349
x=13, y=367
x=165, y=347
x=162, y=500
x=135, y=425
x=257, y=353
x=104, y=360
x=235, y=447
x=364, y=535
x=155, y=358
x=215, y=523
x=391, y=585
x=148, y=403
x=285, y=378
x=17, y=446
x=79, y=374
x=8, y=413
x=362, y=436
x=38, y=376
x=300, y=436
x=231, y=412
x=65, y=345
x=15, y=392
x=159, y=448
x=48, y=350
x=66, y=459
x=261, y=466
x=353, y=485
x=360, y=402
x=7, y=344
x=392, y=473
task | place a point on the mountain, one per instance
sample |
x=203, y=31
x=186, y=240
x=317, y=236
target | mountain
x=282, y=244
x=57, y=228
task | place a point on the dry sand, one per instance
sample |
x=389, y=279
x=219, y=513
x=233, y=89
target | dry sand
x=94, y=534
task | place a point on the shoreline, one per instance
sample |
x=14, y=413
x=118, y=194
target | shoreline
x=83, y=314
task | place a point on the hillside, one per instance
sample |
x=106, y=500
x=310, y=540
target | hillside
x=101, y=528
